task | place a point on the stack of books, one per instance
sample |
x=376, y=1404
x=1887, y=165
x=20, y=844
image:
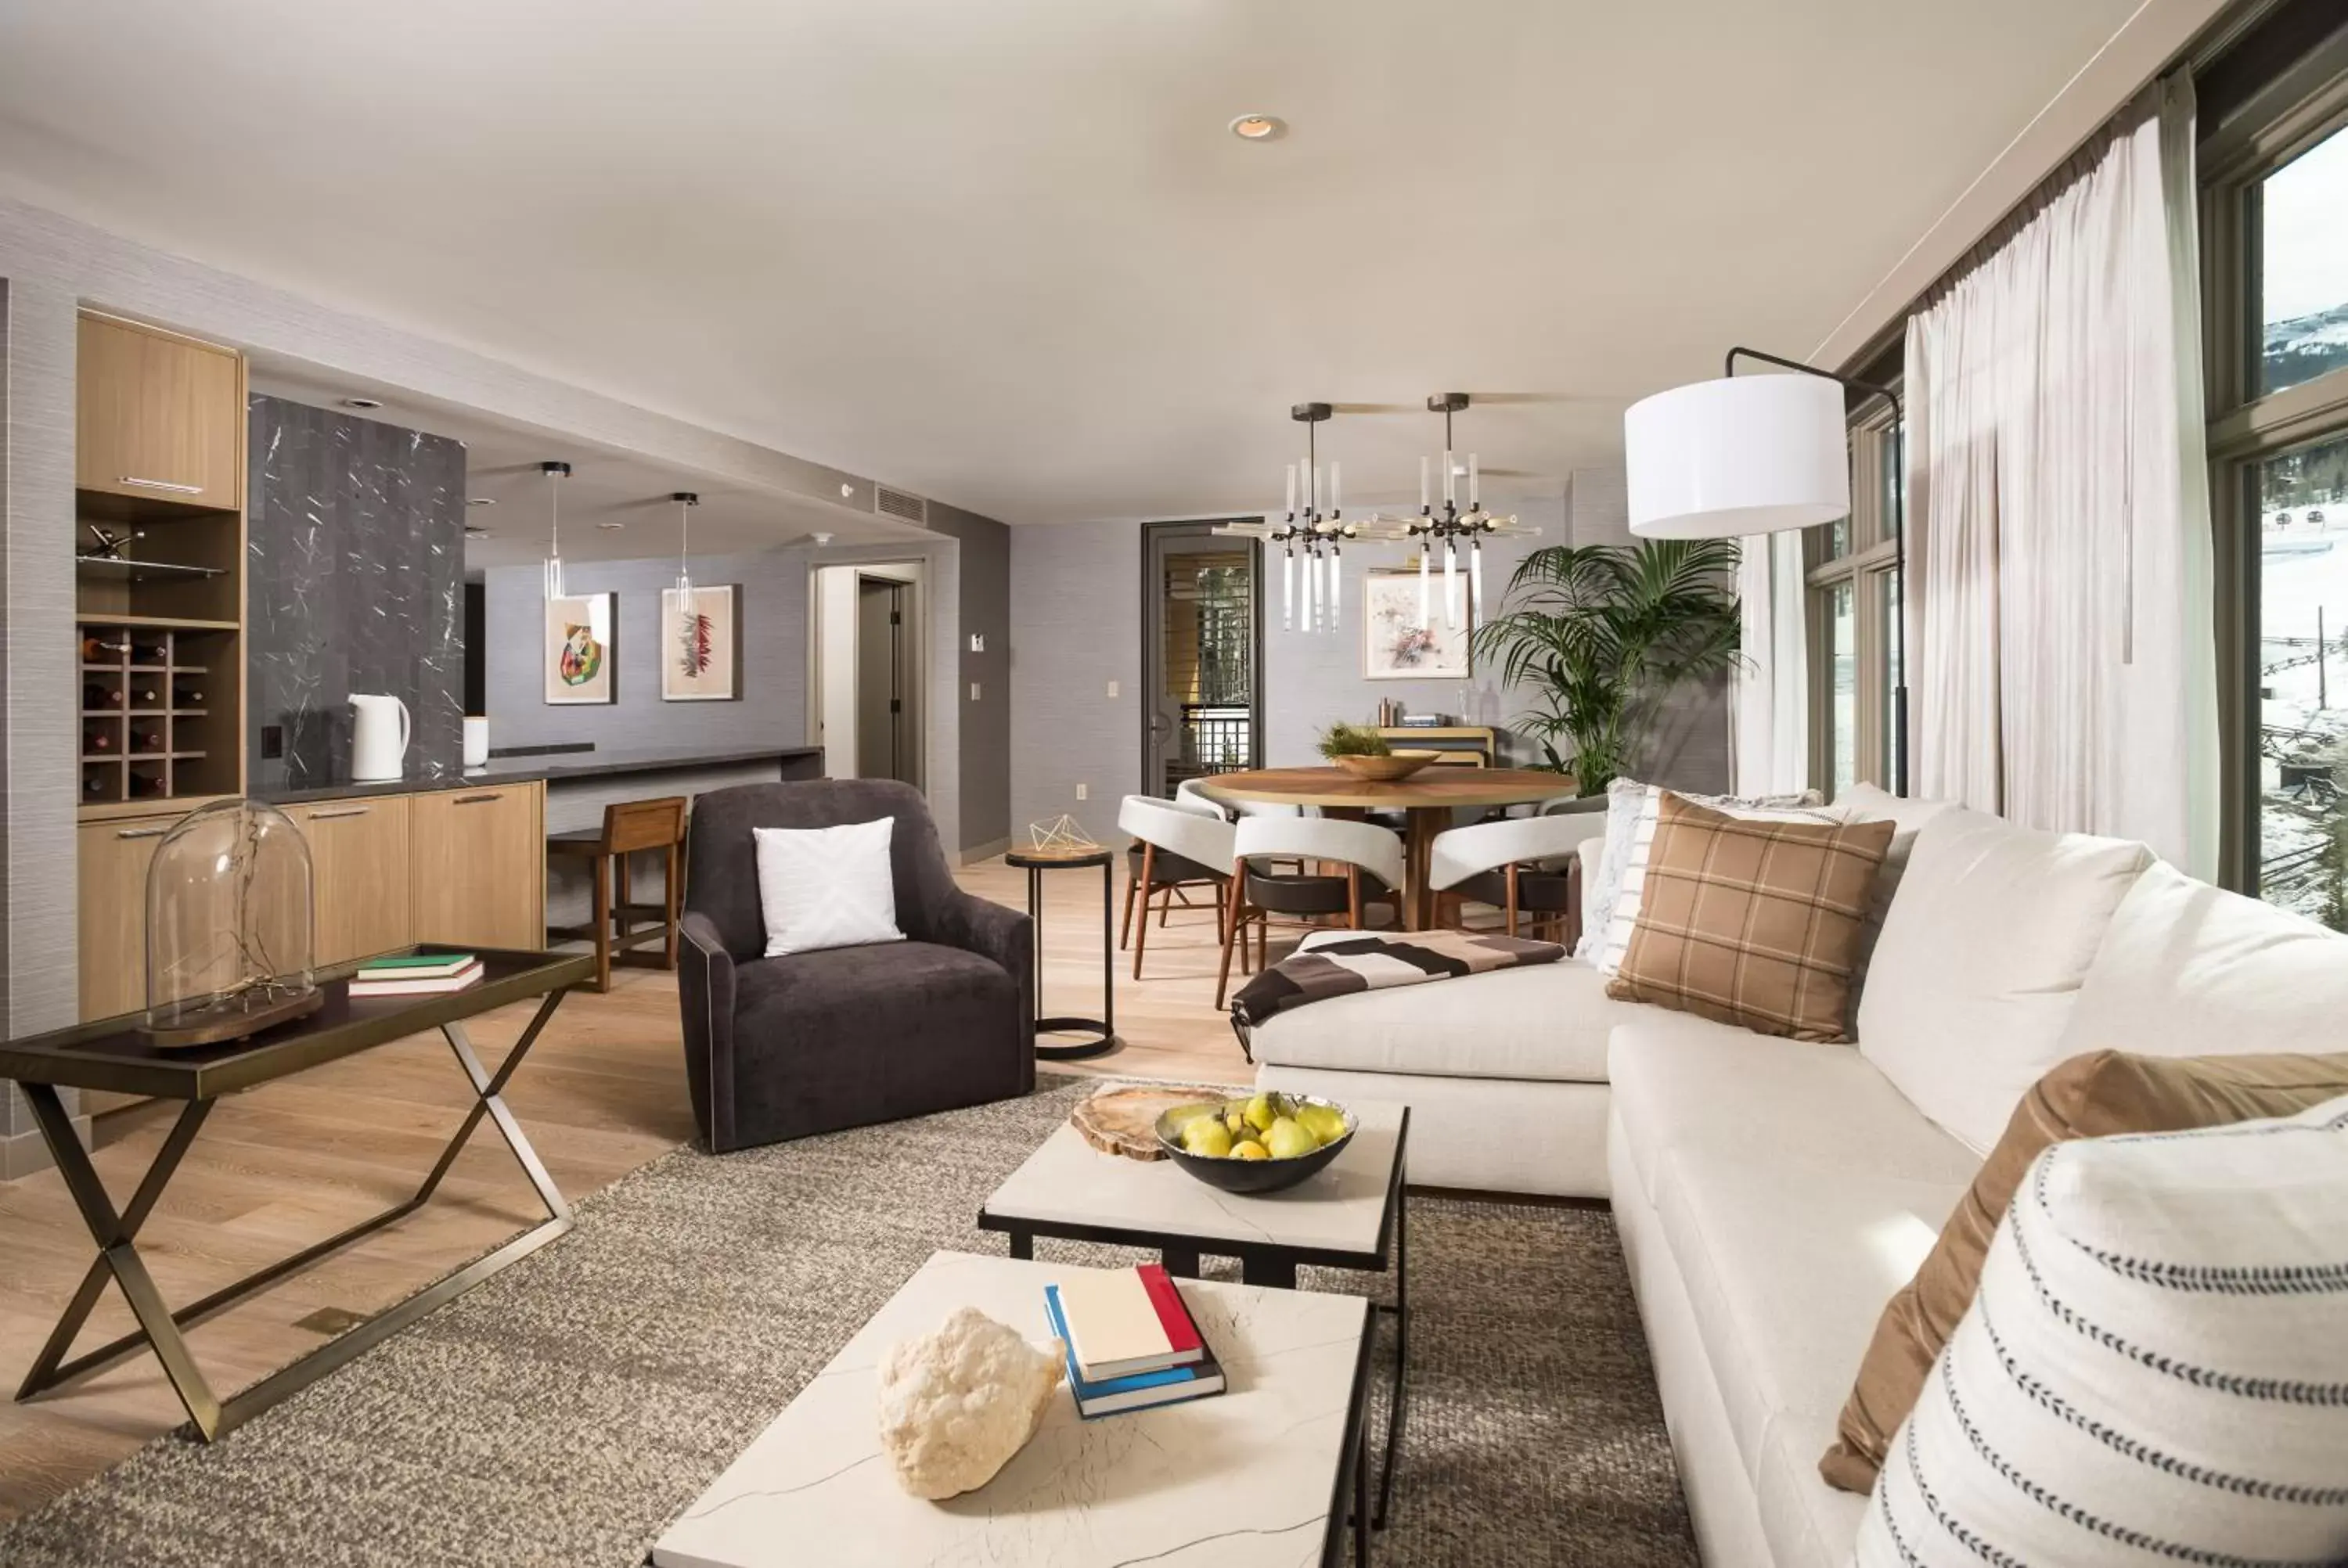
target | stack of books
x=1131, y=1342
x=416, y=974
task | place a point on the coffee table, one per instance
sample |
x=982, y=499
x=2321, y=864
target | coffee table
x=1353, y=1215
x=1258, y=1476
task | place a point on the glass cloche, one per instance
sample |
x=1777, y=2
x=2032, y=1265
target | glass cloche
x=228, y=926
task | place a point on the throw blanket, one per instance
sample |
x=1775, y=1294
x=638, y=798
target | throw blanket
x=1343, y=962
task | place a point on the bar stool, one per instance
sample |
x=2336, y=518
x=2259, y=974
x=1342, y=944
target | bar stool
x=628, y=827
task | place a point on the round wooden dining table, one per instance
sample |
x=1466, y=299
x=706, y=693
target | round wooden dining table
x=1427, y=798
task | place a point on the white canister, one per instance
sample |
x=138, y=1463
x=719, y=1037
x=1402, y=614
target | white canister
x=477, y=743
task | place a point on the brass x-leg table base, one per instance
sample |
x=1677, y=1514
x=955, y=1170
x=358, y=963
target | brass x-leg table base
x=159, y=1327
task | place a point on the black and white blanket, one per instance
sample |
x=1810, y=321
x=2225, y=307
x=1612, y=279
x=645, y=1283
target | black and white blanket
x=1340, y=963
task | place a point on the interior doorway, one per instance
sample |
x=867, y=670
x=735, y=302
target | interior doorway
x=868, y=663
x=1201, y=654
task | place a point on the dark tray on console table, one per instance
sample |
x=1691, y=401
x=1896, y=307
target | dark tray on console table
x=112, y=1054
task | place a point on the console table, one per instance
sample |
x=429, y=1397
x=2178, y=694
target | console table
x=111, y=1055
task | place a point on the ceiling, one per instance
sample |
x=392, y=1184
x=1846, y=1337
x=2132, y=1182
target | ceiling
x=616, y=505
x=1007, y=255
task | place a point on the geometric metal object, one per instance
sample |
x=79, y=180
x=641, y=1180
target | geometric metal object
x=357, y=1027
x=1063, y=834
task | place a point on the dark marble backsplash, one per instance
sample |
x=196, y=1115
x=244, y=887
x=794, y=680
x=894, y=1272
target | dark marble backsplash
x=355, y=582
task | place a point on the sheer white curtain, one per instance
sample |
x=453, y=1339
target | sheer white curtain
x=2065, y=656
x=1770, y=715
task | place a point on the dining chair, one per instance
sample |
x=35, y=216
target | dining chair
x=1373, y=874
x=1176, y=847
x=1191, y=794
x=1528, y=867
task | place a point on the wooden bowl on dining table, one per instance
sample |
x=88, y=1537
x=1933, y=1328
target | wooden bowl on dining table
x=1387, y=769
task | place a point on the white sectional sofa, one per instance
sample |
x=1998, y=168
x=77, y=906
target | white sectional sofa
x=1771, y=1195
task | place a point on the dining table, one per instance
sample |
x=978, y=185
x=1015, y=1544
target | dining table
x=1427, y=800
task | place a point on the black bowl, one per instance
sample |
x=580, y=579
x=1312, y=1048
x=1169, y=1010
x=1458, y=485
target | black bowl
x=1259, y=1175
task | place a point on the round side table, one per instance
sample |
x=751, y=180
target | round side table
x=1103, y=1030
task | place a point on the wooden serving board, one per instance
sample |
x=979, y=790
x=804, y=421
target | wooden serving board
x=1125, y=1121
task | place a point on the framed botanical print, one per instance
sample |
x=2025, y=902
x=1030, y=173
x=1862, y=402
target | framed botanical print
x=1398, y=643
x=582, y=634
x=701, y=644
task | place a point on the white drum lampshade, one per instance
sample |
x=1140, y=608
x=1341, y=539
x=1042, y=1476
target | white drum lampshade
x=1744, y=454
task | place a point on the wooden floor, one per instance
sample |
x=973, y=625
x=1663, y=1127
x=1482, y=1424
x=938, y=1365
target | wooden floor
x=603, y=1093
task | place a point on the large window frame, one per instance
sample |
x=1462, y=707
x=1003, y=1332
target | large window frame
x=1858, y=553
x=2302, y=105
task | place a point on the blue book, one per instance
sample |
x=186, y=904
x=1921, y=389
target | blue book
x=1141, y=1391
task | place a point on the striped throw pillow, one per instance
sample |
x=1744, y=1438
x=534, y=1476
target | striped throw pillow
x=2155, y=1369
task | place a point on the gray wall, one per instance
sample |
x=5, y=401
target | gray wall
x=986, y=605
x=355, y=565
x=1072, y=595
x=773, y=708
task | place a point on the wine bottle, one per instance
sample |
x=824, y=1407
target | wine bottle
x=94, y=695
x=97, y=740
x=145, y=785
x=144, y=697
x=147, y=653
x=147, y=740
x=187, y=697
x=93, y=786
x=97, y=650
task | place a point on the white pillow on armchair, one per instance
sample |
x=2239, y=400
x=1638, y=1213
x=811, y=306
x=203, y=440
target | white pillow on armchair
x=827, y=887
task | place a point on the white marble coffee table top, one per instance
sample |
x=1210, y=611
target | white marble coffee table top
x=1343, y=1209
x=1246, y=1479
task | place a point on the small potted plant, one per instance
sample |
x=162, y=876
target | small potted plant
x=1363, y=752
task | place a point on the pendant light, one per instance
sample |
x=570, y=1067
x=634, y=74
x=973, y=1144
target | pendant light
x=1451, y=527
x=685, y=501
x=1311, y=535
x=554, y=472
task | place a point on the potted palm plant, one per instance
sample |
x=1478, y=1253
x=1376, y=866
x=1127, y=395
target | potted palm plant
x=1604, y=635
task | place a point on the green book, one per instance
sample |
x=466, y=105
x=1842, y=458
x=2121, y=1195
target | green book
x=412, y=965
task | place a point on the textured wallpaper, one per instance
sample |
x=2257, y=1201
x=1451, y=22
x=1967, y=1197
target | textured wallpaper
x=355, y=582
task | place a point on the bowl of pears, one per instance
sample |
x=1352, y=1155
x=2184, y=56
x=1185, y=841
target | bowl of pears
x=1259, y=1144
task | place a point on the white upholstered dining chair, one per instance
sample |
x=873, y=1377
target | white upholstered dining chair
x=1373, y=874
x=1522, y=865
x=1176, y=847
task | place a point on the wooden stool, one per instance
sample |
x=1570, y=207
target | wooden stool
x=628, y=827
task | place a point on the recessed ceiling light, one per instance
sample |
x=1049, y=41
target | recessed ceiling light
x=362, y=402
x=1259, y=127
x=611, y=528
x=480, y=500
x=471, y=532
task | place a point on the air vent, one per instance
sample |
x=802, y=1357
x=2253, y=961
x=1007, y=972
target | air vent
x=891, y=503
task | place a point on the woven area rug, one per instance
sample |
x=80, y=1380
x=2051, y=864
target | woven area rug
x=564, y=1411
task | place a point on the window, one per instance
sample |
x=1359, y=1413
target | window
x=2275, y=293
x=1853, y=604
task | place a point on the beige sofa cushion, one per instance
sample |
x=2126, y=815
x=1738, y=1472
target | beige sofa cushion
x=1546, y=1021
x=1907, y=815
x=1981, y=957
x=2188, y=970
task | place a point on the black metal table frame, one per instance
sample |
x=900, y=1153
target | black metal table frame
x=1104, y=1028
x=116, y=1233
x=1271, y=1265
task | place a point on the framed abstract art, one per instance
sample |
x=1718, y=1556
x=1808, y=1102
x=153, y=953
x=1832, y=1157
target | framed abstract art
x=701, y=644
x=581, y=661
x=1398, y=644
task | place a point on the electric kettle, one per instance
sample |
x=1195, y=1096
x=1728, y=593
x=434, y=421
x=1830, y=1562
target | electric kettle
x=378, y=737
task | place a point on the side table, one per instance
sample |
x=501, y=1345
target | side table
x=1102, y=1029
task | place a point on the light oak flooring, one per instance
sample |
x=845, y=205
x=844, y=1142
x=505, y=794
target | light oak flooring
x=603, y=1093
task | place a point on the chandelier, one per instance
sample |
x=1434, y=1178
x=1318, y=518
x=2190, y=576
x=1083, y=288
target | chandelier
x=1308, y=535
x=1451, y=527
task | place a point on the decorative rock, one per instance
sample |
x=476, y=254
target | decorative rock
x=956, y=1405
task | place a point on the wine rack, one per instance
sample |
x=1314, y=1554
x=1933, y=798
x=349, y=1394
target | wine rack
x=151, y=726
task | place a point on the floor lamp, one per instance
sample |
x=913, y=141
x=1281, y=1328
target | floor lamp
x=1720, y=459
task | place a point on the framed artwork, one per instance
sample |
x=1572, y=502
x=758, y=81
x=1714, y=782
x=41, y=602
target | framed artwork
x=581, y=632
x=701, y=644
x=1396, y=645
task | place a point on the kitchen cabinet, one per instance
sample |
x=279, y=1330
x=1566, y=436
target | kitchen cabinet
x=478, y=867
x=112, y=925
x=159, y=417
x=360, y=867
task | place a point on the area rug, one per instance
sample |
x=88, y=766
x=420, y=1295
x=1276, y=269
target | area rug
x=564, y=1411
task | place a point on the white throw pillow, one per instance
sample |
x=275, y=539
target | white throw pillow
x=827, y=887
x=2154, y=1370
x=1982, y=954
x=1632, y=810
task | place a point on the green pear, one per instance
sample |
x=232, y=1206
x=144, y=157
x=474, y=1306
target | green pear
x=1325, y=1122
x=1260, y=1113
x=1287, y=1139
x=1208, y=1138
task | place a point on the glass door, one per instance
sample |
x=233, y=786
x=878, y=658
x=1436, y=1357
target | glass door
x=1201, y=654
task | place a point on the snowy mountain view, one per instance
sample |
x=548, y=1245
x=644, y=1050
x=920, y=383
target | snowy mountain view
x=2305, y=347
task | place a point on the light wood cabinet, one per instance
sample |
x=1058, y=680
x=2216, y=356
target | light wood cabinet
x=477, y=869
x=114, y=857
x=359, y=865
x=160, y=417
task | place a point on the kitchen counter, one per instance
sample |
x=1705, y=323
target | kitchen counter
x=557, y=767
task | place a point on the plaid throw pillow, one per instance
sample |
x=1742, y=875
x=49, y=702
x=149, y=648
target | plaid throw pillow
x=1752, y=923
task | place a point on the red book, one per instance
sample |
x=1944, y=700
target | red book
x=1181, y=1334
